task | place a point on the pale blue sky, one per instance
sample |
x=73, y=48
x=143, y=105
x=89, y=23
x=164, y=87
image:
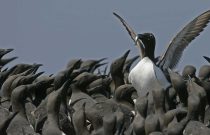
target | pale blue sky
x=52, y=32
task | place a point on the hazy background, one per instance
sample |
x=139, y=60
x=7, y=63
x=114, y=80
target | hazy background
x=52, y=32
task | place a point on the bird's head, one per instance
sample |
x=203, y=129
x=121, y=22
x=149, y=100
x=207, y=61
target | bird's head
x=146, y=39
x=146, y=42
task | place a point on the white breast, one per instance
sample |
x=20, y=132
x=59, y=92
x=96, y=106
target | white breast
x=145, y=76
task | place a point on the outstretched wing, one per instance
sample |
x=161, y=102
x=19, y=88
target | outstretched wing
x=128, y=28
x=130, y=32
x=176, y=47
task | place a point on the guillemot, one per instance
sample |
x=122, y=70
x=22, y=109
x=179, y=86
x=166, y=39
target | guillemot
x=150, y=71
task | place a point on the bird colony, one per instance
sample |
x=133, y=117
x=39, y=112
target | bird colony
x=141, y=95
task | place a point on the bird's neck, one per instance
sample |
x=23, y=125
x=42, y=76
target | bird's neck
x=149, y=52
x=118, y=81
x=53, y=119
x=18, y=107
x=76, y=89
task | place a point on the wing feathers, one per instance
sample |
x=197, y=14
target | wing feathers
x=128, y=28
x=176, y=47
x=131, y=33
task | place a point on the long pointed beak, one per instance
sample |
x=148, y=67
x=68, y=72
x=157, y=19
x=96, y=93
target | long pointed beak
x=5, y=52
x=9, y=50
x=126, y=54
x=207, y=58
x=102, y=59
x=6, y=61
x=36, y=67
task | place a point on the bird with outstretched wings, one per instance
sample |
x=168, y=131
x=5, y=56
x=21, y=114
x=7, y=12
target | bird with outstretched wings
x=173, y=53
